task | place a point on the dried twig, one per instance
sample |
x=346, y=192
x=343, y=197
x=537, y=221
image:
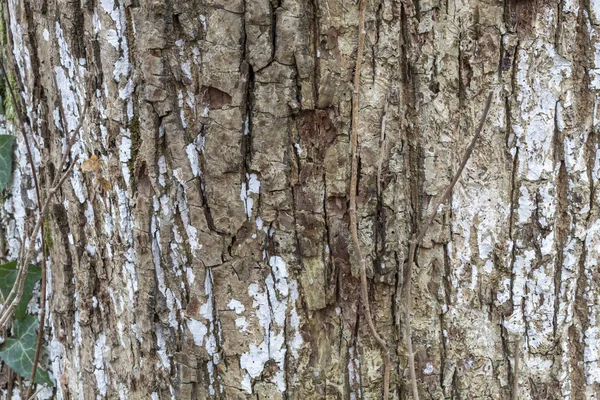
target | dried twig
x=22, y=276
x=352, y=207
x=58, y=182
x=416, y=240
x=21, y=119
x=17, y=290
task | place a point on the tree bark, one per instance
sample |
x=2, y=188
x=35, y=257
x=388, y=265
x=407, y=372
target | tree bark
x=209, y=253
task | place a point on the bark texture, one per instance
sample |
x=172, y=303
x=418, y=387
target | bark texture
x=207, y=254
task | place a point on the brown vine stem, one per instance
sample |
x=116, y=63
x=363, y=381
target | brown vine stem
x=21, y=120
x=416, y=241
x=20, y=281
x=17, y=290
x=29, y=158
x=56, y=184
x=352, y=207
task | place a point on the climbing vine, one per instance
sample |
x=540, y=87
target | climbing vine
x=21, y=351
x=417, y=237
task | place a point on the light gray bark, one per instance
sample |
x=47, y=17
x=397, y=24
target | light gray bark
x=210, y=255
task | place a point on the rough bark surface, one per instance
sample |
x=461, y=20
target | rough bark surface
x=209, y=255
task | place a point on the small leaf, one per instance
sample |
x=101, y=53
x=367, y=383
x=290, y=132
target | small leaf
x=6, y=147
x=104, y=183
x=92, y=164
x=18, y=351
x=8, y=275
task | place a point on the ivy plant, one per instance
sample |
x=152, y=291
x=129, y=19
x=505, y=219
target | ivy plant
x=6, y=146
x=18, y=351
x=8, y=275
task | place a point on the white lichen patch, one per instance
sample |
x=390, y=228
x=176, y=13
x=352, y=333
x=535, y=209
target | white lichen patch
x=535, y=128
x=237, y=306
x=488, y=210
x=192, y=154
x=19, y=48
x=172, y=303
x=69, y=80
x=116, y=36
x=161, y=348
x=526, y=206
x=274, y=306
x=242, y=324
x=184, y=212
x=428, y=369
x=14, y=207
x=198, y=331
x=186, y=70
x=294, y=320
x=207, y=311
x=125, y=155
x=101, y=351
x=249, y=188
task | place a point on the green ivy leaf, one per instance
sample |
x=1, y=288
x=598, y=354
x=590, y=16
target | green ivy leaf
x=8, y=275
x=18, y=351
x=6, y=147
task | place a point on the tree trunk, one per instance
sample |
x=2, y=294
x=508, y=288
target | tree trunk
x=208, y=253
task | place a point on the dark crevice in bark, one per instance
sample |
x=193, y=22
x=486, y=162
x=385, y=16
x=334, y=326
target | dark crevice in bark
x=443, y=356
x=274, y=8
x=514, y=177
x=297, y=246
x=506, y=352
x=455, y=392
x=585, y=98
x=218, y=335
x=248, y=73
x=327, y=257
x=417, y=5
x=511, y=219
x=130, y=36
x=412, y=133
x=398, y=384
x=315, y=51
x=358, y=180
x=379, y=236
x=559, y=28
x=562, y=220
x=448, y=295
x=373, y=65
x=501, y=57
x=378, y=21
x=35, y=69
x=591, y=147
x=581, y=297
x=397, y=296
x=298, y=99
x=581, y=315
x=509, y=16
x=77, y=39
x=461, y=85
x=287, y=375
